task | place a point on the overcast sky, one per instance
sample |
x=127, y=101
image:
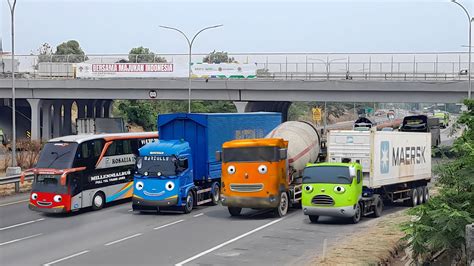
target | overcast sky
x=106, y=26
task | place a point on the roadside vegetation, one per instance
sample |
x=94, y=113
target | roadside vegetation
x=439, y=225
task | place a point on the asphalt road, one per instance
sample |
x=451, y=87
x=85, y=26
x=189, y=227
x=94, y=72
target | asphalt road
x=207, y=236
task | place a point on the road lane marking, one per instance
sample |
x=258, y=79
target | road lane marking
x=199, y=214
x=227, y=242
x=123, y=239
x=19, y=239
x=163, y=226
x=66, y=258
x=20, y=224
x=131, y=210
x=14, y=202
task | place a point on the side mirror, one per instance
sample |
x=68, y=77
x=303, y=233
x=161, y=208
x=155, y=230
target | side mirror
x=62, y=180
x=218, y=156
x=283, y=154
x=352, y=171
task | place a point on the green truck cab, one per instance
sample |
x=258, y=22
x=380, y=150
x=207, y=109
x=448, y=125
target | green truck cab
x=335, y=189
x=443, y=118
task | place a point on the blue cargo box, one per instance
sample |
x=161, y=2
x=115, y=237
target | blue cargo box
x=207, y=132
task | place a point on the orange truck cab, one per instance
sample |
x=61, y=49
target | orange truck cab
x=255, y=175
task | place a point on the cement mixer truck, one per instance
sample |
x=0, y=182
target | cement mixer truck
x=266, y=173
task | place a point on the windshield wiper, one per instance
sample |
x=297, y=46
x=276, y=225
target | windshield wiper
x=57, y=157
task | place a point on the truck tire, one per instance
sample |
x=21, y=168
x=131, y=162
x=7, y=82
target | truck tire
x=98, y=201
x=215, y=194
x=188, y=207
x=282, y=208
x=426, y=194
x=358, y=214
x=421, y=198
x=378, y=207
x=313, y=218
x=413, y=197
x=234, y=211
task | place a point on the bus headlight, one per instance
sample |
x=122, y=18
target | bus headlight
x=34, y=196
x=139, y=185
x=57, y=198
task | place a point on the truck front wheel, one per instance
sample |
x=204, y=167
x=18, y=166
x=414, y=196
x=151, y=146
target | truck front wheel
x=188, y=207
x=378, y=207
x=313, y=218
x=234, y=211
x=282, y=208
x=358, y=214
x=215, y=194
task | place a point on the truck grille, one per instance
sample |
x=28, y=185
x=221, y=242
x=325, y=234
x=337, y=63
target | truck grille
x=322, y=200
x=246, y=187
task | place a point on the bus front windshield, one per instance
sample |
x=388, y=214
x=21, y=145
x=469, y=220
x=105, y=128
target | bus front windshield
x=154, y=166
x=57, y=155
x=251, y=154
x=327, y=175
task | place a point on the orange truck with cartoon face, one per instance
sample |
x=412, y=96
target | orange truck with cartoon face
x=266, y=173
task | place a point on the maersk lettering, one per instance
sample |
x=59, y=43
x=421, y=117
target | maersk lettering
x=408, y=155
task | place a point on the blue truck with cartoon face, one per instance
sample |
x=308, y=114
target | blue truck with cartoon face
x=180, y=170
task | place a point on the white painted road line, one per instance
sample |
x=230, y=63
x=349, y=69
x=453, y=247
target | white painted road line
x=131, y=210
x=123, y=239
x=163, y=226
x=66, y=258
x=14, y=202
x=199, y=214
x=20, y=224
x=19, y=239
x=227, y=243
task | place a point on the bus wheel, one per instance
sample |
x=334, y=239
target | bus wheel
x=98, y=201
x=413, y=197
x=188, y=207
x=234, y=211
x=215, y=194
x=378, y=207
x=358, y=214
x=313, y=218
x=282, y=208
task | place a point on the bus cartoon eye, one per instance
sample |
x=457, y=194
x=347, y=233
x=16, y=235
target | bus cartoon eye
x=139, y=163
x=339, y=189
x=139, y=185
x=34, y=196
x=262, y=169
x=308, y=188
x=169, y=185
x=57, y=198
x=231, y=169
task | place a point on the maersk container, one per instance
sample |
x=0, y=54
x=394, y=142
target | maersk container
x=207, y=132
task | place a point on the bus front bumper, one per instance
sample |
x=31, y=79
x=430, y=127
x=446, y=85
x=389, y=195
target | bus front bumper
x=346, y=211
x=59, y=209
x=140, y=203
x=250, y=202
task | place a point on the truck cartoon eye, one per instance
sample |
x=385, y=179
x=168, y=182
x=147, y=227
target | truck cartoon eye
x=308, y=188
x=139, y=185
x=262, y=169
x=34, y=196
x=231, y=169
x=57, y=198
x=169, y=185
x=339, y=189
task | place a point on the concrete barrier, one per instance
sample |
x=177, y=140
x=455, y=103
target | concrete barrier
x=470, y=244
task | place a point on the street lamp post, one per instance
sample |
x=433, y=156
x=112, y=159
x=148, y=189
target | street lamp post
x=327, y=64
x=14, y=169
x=190, y=44
x=470, y=20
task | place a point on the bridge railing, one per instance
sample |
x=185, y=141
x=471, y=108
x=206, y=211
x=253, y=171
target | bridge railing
x=317, y=66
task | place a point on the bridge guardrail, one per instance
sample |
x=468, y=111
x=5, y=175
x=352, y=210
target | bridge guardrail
x=14, y=179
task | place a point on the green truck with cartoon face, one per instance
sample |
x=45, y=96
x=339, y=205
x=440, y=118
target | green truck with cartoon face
x=364, y=169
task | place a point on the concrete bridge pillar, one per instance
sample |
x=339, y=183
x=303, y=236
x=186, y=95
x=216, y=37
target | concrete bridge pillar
x=240, y=106
x=57, y=119
x=46, y=123
x=99, y=108
x=35, y=105
x=81, y=108
x=90, y=109
x=108, y=108
x=67, y=129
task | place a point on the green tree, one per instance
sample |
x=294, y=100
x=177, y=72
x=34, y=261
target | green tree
x=144, y=55
x=44, y=53
x=69, y=51
x=218, y=57
x=440, y=223
x=139, y=112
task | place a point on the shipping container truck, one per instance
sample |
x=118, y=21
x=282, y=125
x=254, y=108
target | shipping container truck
x=423, y=123
x=265, y=173
x=180, y=170
x=364, y=169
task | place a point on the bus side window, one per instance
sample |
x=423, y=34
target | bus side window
x=127, y=147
